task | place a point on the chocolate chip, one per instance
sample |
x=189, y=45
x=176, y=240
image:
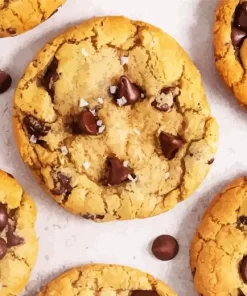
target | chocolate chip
x=211, y=161
x=11, y=31
x=144, y=293
x=243, y=269
x=5, y=81
x=50, y=77
x=165, y=100
x=12, y=239
x=118, y=173
x=127, y=90
x=3, y=248
x=165, y=247
x=243, y=220
x=240, y=19
x=10, y=175
x=35, y=127
x=237, y=37
x=170, y=144
x=3, y=217
x=62, y=185
x=87, y=123
x=93, y=217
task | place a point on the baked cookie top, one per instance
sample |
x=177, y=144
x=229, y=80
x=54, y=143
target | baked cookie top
x=113, y=119
x=18, y=16
x=219, y=248
x=18, y=243
x=230, y=45
x=113, y=280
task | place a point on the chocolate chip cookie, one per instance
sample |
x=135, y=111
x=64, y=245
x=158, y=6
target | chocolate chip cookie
x=18, y=242
x=113, y=120
x=103, y=279
x=18, y=16
x=230, y=44
x=219, y=248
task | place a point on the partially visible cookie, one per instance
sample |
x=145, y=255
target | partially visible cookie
x=219, y=248
x=106, y=280
x=230, y=45
x=18, y=242
x=18, y=16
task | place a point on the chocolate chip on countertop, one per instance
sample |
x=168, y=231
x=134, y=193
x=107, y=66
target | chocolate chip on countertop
x=118, y=173
x=62, y=185
x=128, y=91
x=243, y=269
x=12, y=239
x=144, y=293
x=165, y=100
x=238, y=37
x=3, y=248
x=170, y=144
x=50, y=77
x=3, y=217
x=165, y=247
x=35, y=127
x=87, y=123
x=5, y=81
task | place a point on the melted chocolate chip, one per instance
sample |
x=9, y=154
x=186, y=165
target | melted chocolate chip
x=128, y=90
x=118, y=173
x=3, y=217
x=35, y=127
x=3, y=248
x=238, y=37
x=144, y=293
x=239, y=26
x=11, y=31
x=243, y=220
x=5, y=81
x=165, y=247
x=87, y=123
x=170, y=144
x=62, y=185
x=165, y=101
x=12, y=239
x=243, y=269
x=50, y=77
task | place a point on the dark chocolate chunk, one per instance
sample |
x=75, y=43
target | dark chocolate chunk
x=170, y=144
x=5, y=81
x=118, y=173
x=87, y=123
x=12, y=239
x=165, y=247
x=3, y=217
x=237, y=37
x=50, y=77
x=11, y=31
x=62, y=185
x=240, y=19
x=3, y=248
x=35, y=126
x=243, y=269
x=144, y=293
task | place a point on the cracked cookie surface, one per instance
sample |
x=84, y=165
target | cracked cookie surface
x=18, y=242
x=113, y=120
x=18, y=16
x=101, y=279
x=219, y=248
x=230, y=45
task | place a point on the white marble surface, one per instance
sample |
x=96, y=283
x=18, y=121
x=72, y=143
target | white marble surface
x=66, y=240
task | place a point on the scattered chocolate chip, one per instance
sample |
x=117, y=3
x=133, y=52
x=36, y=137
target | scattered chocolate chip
x=50, y=77
x=11, y=31
x=127, y=90
x=165, y=247
x=3, y=248
x=144, y=293
x=87, y=123
x=3, y=217
x=93, y=217
x=62, y=185
x=118, y=173
x=211, y=161
x=165, y=100
x=243, y=269
x=35, y=126
x=5, y=81
x=237, y=37
x=12, y=239
x=170, y=144
x=243, y=220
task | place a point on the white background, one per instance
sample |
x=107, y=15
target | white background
x=65, y=240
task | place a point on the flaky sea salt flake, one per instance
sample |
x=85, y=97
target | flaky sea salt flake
x=113, y=89
x=84, y=52
x=122, y=101
x=136, y=131
x=83, y=103
x=142, y=95
x=166, y=175
x=93, y=112
x=101, y=129
x=64, y=150
x=125, y=163
x=130, y=177
x=33, y=139
x=86, y=165
x=100, y=101
x=99, y=123
x=124, y=60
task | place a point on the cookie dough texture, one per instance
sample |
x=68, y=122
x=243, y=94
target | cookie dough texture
x=220, y=244
x=102, y=280
x=88, y=59
x=232, y=66
x=17, y=264
x=18, y=16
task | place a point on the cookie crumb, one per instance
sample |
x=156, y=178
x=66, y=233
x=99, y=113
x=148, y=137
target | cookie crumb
x=100, y=101
x=101, y=129
x=64, y=150
x=166, y=175
x=113, y=89
x=125, y=163
x=86, y=165
x=84, y=52
x=83, y=103
x=136, y=131
x=122, y=101
x=124, y=60
x=99, y=123
x=33, y=139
